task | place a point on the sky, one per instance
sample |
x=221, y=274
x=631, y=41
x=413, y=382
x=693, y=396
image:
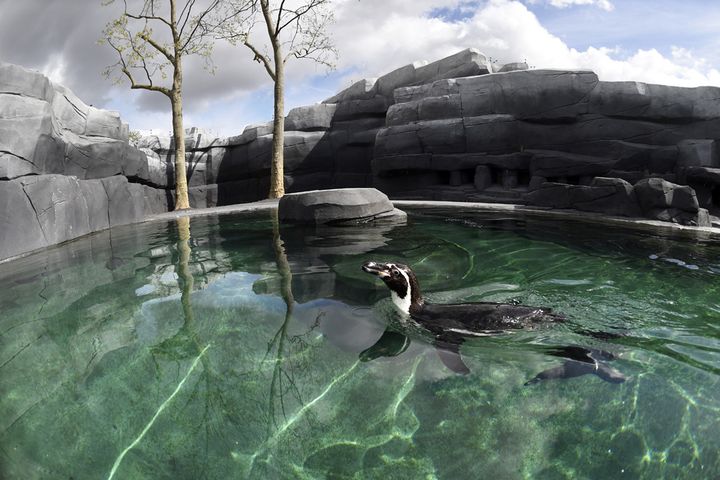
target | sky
x=662, y=41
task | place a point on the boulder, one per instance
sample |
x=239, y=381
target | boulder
x=104, y=123
x=438, y=88
x=332, y=206
x=465, y=63
x=16, y=80
x=400, y=139
x=70, y=112
x=703, y=175
x=25, y=125
x=359, y=108
x=310, y=118
x=532, y=94
x=402, y=113
x=513, y=67
x=658, y=194
x=93, y=157
x=360, y=90
x=655, y=102
x=605, y=195
x=701, y=218
x=400, y=77
x=159, y=172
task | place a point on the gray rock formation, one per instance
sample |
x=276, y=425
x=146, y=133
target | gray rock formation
x=65, y=166
x=446, y=130
x=336, y=206
x=453, y=130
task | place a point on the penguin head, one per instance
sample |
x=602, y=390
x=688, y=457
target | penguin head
x=401, y=280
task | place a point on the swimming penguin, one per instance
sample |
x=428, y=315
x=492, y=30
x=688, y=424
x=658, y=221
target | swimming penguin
x=452, y=324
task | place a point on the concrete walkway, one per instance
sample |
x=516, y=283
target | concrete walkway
x=643, y=224
x=650, y=226
x=196, y=212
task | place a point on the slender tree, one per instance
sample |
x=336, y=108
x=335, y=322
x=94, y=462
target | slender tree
x=147, y=57
x=292, y=29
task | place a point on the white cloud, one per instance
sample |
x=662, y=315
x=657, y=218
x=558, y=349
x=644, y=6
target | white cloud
x=404, y=31
x=604, y=4
x=372, y=36
x=55, y=68
x=503, y=29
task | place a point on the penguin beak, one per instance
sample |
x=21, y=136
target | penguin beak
x=377, y=269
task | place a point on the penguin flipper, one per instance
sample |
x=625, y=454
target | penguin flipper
x=574, y=368
x=449, y=353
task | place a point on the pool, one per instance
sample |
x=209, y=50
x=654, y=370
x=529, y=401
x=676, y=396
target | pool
x=228, y=347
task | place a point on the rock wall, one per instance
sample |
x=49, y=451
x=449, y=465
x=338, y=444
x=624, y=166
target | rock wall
x=559, y=139
x=66, y=168
x=327, y=145
x=454, y=130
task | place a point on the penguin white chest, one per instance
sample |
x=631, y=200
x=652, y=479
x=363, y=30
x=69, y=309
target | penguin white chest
x=403, y=303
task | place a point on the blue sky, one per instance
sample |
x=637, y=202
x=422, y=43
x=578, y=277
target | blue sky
x=657, y=42
x=634, y=24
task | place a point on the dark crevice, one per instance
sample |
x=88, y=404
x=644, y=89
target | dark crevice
x=143, y=181
x=8, y=179
x=659, y=120
x=6, y=152
x=37, y=216
x=77, y=110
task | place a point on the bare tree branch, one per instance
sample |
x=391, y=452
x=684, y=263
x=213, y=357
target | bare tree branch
x=146, y=36
x=151, y=16
x=279, y=16
x=187, y=8
x=200, y=25
x=302, y=11
x=261, y=58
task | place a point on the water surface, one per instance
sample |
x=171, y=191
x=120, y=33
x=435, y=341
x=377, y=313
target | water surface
x=227, y=348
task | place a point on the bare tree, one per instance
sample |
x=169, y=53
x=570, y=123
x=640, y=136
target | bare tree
x=146, y=57
x=293, y=29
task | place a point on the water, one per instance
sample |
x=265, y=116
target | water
x=140, y=353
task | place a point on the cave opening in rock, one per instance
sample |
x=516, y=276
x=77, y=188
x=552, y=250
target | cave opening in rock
x=716, y=198
x=523, y=178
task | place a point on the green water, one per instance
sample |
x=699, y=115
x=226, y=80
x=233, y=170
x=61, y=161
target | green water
x=121, y=356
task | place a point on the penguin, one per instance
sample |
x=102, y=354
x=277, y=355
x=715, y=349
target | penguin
x=451, y=324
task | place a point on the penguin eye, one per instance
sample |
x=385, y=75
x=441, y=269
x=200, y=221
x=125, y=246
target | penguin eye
x=396, y=273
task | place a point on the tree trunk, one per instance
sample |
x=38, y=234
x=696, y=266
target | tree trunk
x=277, y=167
x=181, y=189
